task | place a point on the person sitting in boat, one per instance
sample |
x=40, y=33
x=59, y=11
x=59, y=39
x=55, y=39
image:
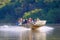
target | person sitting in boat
x=20, y=21
x=30, y=20
x=24, y=21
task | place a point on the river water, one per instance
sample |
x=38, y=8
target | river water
x=47, y=32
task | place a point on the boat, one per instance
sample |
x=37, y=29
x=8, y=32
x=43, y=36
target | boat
x=37, y=24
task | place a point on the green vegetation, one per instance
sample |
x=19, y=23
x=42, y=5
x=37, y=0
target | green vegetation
x=4, y=3
x=11, y=10
x=33, y=13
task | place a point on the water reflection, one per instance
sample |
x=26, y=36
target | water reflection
x=21, y=33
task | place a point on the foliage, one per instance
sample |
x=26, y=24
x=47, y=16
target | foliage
x=4, y=2
x=53, y=15
x=44, y=9
x=31, y=13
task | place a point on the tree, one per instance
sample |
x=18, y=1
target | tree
x=4, y=2
x=37, y=13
